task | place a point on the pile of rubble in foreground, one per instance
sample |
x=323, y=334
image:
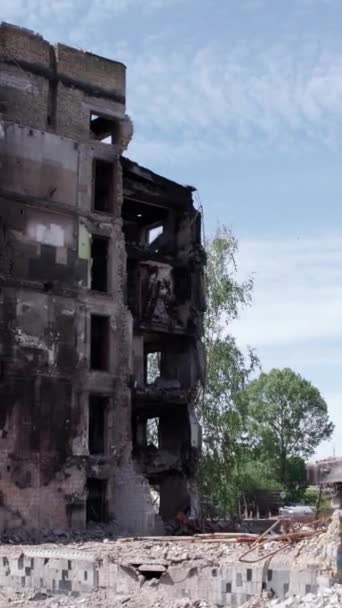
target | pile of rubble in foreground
x=331, y=597
x=144, y=599
x=310, y=546
x=327, y=598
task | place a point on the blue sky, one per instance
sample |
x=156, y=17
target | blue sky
x=243, y=99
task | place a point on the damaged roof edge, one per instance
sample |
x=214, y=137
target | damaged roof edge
x=145, y=173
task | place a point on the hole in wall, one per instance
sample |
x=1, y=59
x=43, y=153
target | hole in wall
x=104, y=128
x=96, y=500
x=97, y=414
x=2, y=375
x=152, y=371
x=99, y=263
x=103, y=186
x=154, y=233
x=151, y=574
x=152, y=432
x=143, y=223
x=99, y=342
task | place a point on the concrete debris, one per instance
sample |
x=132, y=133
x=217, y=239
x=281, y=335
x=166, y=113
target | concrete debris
x=326, y=598
x=145, y=599
x=330, y=597
x=101, y=533
x=160, y=572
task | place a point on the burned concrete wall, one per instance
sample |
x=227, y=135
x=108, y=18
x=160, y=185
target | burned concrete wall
x=65, y=331
x=58, y=87
x=165, y=293
x=101, y=302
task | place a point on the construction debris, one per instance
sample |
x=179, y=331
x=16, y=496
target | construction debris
x=146, y=599
x=330, y=597
x=150, y=572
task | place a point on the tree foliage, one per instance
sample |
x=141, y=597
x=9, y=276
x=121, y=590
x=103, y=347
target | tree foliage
x=288, y=419
x=228, y=370
x=256, y=433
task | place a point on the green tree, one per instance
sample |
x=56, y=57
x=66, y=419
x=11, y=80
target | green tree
x=288, y=419
x=257, y=474
x=220, y=409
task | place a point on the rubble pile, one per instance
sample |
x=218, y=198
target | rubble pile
x=98, y=532
x=301, y=550
x=327, y=598
x=145, y=599
x=331, y=597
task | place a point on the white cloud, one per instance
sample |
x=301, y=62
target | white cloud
x=240, y=99
x=44, y=8
x=199, y=97
x=296, y=316
x=298, y=290
x=333, y=446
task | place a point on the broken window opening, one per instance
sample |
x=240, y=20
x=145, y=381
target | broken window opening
x=103, y=186
x=153, y=361
x=99, y=343
x=152, y=432
x=96, y=425
x=174, y=496
x=104, y=128
x=155, y=495
x=96, y=500
x=143, y=223
x=154, y=233
x=174, y=361
x=99, y=266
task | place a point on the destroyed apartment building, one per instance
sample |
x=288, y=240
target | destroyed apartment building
x=101, y=304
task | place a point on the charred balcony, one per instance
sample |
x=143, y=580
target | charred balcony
x=167, y=369
x=159, y=218
x=165, y=298
x=162, y=443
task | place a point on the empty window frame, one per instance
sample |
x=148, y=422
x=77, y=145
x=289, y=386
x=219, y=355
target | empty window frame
x=152, y=367
x=153, y=233
x=96, y=425
x=152, y=432
x=143, y=223
x=104, y=128
x=103, y=186
x=99, y=263
x=99, y=342
x=96, y=500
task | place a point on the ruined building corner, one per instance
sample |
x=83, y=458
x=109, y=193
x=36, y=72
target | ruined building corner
x=101, y=304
